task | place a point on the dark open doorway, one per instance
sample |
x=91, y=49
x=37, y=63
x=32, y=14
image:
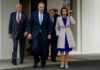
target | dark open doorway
x=31, y=5
x=34, y=4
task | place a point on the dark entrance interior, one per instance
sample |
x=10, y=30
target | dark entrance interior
x=34, y=4
x=31, y=5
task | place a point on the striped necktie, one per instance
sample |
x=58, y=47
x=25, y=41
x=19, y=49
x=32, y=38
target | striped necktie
x=18, y=19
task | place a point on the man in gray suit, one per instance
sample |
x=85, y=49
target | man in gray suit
x=17, y=31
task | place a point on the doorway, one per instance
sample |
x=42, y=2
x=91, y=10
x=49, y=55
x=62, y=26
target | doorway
x=31, y=5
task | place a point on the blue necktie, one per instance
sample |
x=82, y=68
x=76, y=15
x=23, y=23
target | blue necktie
x=52, y=21
x=41, y=17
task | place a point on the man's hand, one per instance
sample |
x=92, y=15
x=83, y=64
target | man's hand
x=10, y=36
x=29, y=36
x=49, y=36
x=25, y=34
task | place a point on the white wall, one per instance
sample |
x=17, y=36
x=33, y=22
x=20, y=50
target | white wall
x=0, y=29
x=7, y=6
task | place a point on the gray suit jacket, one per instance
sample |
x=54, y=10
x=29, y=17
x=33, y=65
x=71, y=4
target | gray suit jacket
x=18, y=29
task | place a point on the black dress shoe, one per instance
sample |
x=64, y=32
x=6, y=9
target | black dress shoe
x=53, y=60
x=21, y=62
x=43, y=66
x=35, y=66
x=47, y=58
x=14, y=62
x=38, y=60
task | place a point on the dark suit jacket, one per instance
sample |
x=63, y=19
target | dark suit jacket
x=53, y=28
x=45, y=27
x=18, y=29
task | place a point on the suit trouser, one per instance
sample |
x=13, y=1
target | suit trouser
x=39, y=48
x=15, y=47
x=53, y=43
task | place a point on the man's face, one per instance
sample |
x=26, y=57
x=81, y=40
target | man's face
x=19, y=8
x=56, y=12
x=41, y=7
x=51, y=13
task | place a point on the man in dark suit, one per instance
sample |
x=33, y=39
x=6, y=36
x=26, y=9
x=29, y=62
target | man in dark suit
x=41, y=32
x=56, y=14
x=53, y=41
x=17, y=31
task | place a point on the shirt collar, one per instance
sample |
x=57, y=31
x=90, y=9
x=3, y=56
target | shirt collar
x=40, y=12
x=19, y=13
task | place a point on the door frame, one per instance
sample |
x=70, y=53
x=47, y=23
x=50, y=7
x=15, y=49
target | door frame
x=79, y=30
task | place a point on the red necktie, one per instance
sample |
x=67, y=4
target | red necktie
x=18, y=18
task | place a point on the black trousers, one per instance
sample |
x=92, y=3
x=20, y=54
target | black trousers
x=39, y=48
x=15, y=47
x=53, y=43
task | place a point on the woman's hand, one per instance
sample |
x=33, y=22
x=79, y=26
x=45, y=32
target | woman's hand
x=69, y=14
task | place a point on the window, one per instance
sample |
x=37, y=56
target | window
x=67, y=4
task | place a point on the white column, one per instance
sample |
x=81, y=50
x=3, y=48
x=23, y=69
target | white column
x=0, y=29
x=90, y=26
x=7, y=6
x=97, y=26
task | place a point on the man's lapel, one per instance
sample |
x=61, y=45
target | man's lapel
x=21, y=18
x=43, y=18
x=37, y=17
x=15, y=17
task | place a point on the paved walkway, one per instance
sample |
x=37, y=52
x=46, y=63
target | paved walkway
x=84, y=65
x=76, y=61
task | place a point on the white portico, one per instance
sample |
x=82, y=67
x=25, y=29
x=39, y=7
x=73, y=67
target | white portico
x=86, y=31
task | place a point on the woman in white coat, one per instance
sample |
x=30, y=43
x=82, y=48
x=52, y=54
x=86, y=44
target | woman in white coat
x=65, y=37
